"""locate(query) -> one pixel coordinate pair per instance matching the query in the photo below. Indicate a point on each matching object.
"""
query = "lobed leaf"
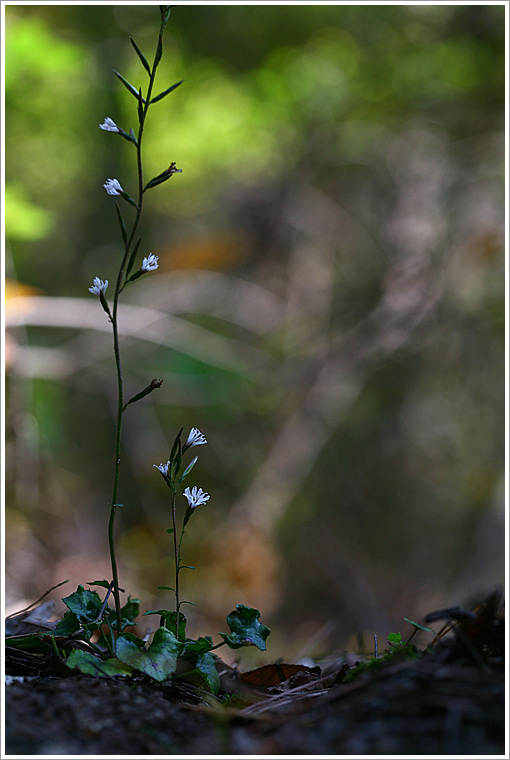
(86, 605)
(159, 661)
(245, 629)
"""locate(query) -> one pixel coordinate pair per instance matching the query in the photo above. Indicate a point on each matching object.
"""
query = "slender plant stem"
(116, 345)
(177, 555)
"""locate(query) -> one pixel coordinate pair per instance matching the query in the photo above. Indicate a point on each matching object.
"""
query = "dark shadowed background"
(329, 309)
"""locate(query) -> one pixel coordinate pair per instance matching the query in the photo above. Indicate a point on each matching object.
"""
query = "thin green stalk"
(177, 556)
(116, 346)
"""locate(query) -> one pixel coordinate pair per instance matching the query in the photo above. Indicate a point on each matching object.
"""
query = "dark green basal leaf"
(126, 84)
(91, 665)
(86, 605)
(67, 626)
(130, 611)
(200, 646)
(103, 583)
(132, 637)
(245, 629)
(33, 642)
(166, 92)
(158, 662)
(204, 674)
(141, 56)
(170, 617)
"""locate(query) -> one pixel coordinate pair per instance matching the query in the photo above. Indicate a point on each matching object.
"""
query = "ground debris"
(449, 700)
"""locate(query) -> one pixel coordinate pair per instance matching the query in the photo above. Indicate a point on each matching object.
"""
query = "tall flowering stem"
(143, 107)
(194, 496)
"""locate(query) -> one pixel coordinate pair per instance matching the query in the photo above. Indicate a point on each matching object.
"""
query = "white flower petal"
(150, 262)
(109, 125)
(99, 286)
(195, 438)
(163, 468)
(196, 496)
(113, 187)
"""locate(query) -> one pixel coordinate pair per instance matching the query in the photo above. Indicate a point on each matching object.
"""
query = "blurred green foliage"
(346, 165)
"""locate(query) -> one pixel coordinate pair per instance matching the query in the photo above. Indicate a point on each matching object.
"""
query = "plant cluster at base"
(92, 637)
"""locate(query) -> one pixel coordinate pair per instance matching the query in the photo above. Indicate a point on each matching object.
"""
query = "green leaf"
(33, 642)
(91, 665)
(85, 604)
(126, 84)
(204, 673)
(159, 51)
(175, 446)
(132, 257)
(166, 92)
(159, 661)
(245, 629)
(132, 637)
(141, 56)
(418, 626)
(187, 515)
(395, 639)
(188, 469)
(141, 101)
(170, 616)
(153, 385)
(130, 610)
(104, 584)
(201, 645)
(104, 303)
(67, 626)
(166, 588)
(165, 13)
(121, 223)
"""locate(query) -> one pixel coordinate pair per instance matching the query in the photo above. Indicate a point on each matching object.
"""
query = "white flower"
(163, 468)
(195, 438)
(113, 187)
(196, 496)
(99, 286)
(109, 125)
(149, 262)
